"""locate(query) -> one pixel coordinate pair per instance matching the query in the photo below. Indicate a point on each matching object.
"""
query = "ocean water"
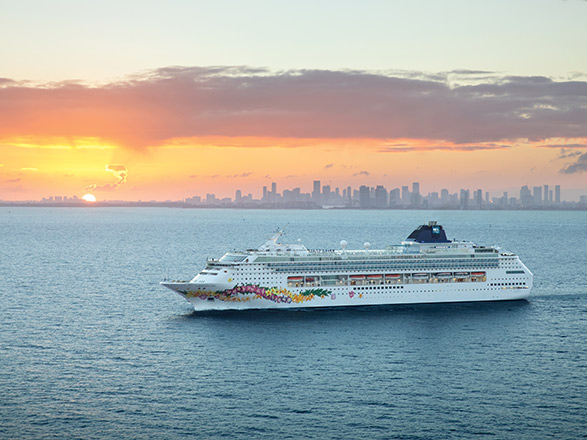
(91, 347)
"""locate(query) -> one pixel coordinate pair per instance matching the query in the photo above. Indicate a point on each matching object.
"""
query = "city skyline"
(364, 197)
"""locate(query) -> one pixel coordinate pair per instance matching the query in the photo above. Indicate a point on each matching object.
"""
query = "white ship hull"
(407, 297)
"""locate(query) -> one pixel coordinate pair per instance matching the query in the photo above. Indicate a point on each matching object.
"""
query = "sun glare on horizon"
(89, 198)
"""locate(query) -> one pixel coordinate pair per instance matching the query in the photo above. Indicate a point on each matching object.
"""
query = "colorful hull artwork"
(249, 292)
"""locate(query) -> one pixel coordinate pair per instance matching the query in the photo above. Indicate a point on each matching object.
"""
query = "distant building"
(444, 196)
(381, 197)
(478, 198)
(316, 192)
(526, 198)
(326, 195)
(364, 197)
(415, 198)
(537, 195)
(394, 197)
(464, 200)
(405, 195)
(195, 200)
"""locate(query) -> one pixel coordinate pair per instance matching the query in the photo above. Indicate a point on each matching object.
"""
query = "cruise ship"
(425, 268)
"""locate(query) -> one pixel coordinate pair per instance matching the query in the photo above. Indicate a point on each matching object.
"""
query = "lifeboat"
(444, 275)
(420, 275)
(461, 274)
(357, 277)
(393, 276)
(374, 277)
(309, 280)
(295, 278)
(478, 274)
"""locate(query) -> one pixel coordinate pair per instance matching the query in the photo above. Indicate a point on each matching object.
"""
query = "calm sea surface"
(91, 347)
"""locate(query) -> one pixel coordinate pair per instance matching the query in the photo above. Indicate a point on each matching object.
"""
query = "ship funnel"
(367, 245)
(343, 244)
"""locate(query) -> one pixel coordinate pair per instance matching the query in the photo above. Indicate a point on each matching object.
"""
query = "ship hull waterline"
(352, 298)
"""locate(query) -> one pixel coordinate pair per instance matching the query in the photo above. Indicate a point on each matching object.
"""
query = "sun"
(89, 198)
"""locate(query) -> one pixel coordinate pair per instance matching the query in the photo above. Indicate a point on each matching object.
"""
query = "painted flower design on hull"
(245, 293)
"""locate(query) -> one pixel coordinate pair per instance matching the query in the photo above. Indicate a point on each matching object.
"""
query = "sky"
(153, 100)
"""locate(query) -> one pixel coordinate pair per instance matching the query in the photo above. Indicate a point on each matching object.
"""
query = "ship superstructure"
(425, 268)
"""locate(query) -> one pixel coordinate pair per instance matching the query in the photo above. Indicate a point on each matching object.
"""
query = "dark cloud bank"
(177, 102)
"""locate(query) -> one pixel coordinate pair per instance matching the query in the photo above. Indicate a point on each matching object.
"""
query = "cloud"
(330, 165)
(563, 146)
(566, 153)
(471, 72)
(235, 176)
(119, 170)
(156, 107)
(404, 148)
(362, 173)
(13, 180)
(5, 82)
(578, 166)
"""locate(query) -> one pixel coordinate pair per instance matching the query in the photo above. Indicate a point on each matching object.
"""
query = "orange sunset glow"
(178, 132)
(175, 172)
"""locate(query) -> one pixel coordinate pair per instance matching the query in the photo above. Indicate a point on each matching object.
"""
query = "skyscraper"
(364, 197)
(405, 195)
(464, 199)
(316, 192)
(326, 195)
(526, 198)
(415, 196)
(394, 197)
(381, 197)
(444, 196)
(478, 198)
(537, 193)
(557, 194)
